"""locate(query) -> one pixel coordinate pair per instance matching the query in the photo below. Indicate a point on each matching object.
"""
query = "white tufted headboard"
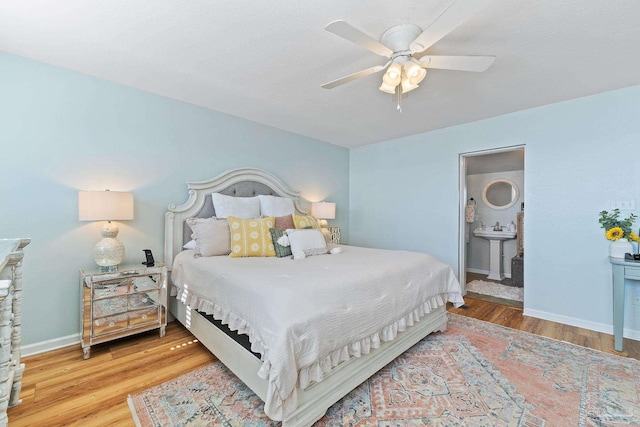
(242, 182)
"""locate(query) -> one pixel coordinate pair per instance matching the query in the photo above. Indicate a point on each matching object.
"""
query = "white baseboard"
(56, 343)
(580, 323)
(48, 345)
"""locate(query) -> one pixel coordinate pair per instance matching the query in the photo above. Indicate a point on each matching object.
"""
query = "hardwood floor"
(512, 317)
(60, 388)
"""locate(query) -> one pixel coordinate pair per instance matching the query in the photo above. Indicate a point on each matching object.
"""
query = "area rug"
(474, 374)
(496, 289)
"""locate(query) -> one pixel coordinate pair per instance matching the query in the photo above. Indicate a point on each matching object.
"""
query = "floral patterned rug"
(474, 374)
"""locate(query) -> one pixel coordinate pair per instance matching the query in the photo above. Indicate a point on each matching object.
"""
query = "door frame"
(462, 203)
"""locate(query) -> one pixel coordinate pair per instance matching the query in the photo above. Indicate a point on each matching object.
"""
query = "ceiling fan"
(401, 43)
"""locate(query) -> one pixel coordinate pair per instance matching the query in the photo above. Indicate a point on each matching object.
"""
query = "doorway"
(491, 245)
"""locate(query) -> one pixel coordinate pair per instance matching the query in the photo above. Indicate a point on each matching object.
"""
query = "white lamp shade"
(105, 205)
(323, 210)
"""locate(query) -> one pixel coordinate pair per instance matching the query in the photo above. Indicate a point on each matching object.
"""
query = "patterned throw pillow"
(281, 251)
(284, 222)
(251, 237)
(309, 242)
(304, 221)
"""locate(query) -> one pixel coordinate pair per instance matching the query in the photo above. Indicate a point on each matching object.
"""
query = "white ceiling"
(265, 60)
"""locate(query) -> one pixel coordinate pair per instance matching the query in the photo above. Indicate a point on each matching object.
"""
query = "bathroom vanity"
(495, 238)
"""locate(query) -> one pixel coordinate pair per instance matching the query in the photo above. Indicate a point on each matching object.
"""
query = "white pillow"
(308, 241)
(276, 206)
(191, 244)
(240, 207)
(211, 235)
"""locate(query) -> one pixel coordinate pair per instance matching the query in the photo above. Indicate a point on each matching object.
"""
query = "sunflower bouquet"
(616, 228)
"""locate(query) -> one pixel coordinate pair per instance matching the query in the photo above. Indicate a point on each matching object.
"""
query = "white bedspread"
(307, 316)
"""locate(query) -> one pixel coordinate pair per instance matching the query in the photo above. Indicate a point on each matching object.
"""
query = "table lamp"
(323, 211)
(106, 206)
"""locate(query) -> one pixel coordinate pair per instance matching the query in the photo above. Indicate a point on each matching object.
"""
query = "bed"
(307, 360)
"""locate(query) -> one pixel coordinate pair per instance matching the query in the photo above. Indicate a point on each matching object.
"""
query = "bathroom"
(495, 193)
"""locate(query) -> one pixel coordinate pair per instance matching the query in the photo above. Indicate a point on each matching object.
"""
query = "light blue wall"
(581, 155)
(62, 131)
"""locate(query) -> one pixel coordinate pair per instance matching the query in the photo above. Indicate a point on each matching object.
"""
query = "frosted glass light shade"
(391, 78)
(387, 88)
(413, 74)
(323, 210)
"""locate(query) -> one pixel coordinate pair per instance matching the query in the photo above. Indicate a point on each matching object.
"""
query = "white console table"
(11, 369)
(622, 269)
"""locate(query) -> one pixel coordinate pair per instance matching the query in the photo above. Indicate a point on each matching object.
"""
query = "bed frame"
(316, 399)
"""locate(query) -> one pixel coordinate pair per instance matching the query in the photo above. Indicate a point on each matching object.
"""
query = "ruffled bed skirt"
(316, 371)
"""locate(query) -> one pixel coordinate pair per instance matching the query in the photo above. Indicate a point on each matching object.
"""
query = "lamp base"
(109, 252)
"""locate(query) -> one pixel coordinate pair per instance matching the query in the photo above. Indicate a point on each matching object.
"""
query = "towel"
(470, 213)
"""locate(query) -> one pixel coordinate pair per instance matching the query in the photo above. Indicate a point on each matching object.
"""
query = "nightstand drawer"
(632, 273)
(140, 317)
(111, 289)
(109, 306)
(143, 300)
(110, 324)
(145, 283)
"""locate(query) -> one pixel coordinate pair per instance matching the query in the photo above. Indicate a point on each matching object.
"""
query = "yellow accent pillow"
(303, 221)
(251, 237)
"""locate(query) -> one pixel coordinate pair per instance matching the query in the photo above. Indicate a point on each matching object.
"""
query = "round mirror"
(500, 193)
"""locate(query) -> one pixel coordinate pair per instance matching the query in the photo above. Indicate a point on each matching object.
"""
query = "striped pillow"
(281, 251)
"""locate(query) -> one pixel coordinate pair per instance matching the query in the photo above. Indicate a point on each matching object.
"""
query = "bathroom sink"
(495, 235)
(495, 239)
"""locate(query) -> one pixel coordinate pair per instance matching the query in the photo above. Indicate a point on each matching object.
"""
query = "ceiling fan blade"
(475, 63)
(354, 35)
(354, 76)
(452, 17)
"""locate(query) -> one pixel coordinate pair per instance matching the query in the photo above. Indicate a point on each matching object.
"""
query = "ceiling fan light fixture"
(391, 78)
(388, 88)
(414, 72)
(393, 74)
(407, 85)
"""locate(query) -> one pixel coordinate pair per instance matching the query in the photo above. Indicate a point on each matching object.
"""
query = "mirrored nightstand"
(334, 235)
(121, 303)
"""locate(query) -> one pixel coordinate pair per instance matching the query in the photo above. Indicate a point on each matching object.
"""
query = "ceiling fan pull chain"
(399, 107)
